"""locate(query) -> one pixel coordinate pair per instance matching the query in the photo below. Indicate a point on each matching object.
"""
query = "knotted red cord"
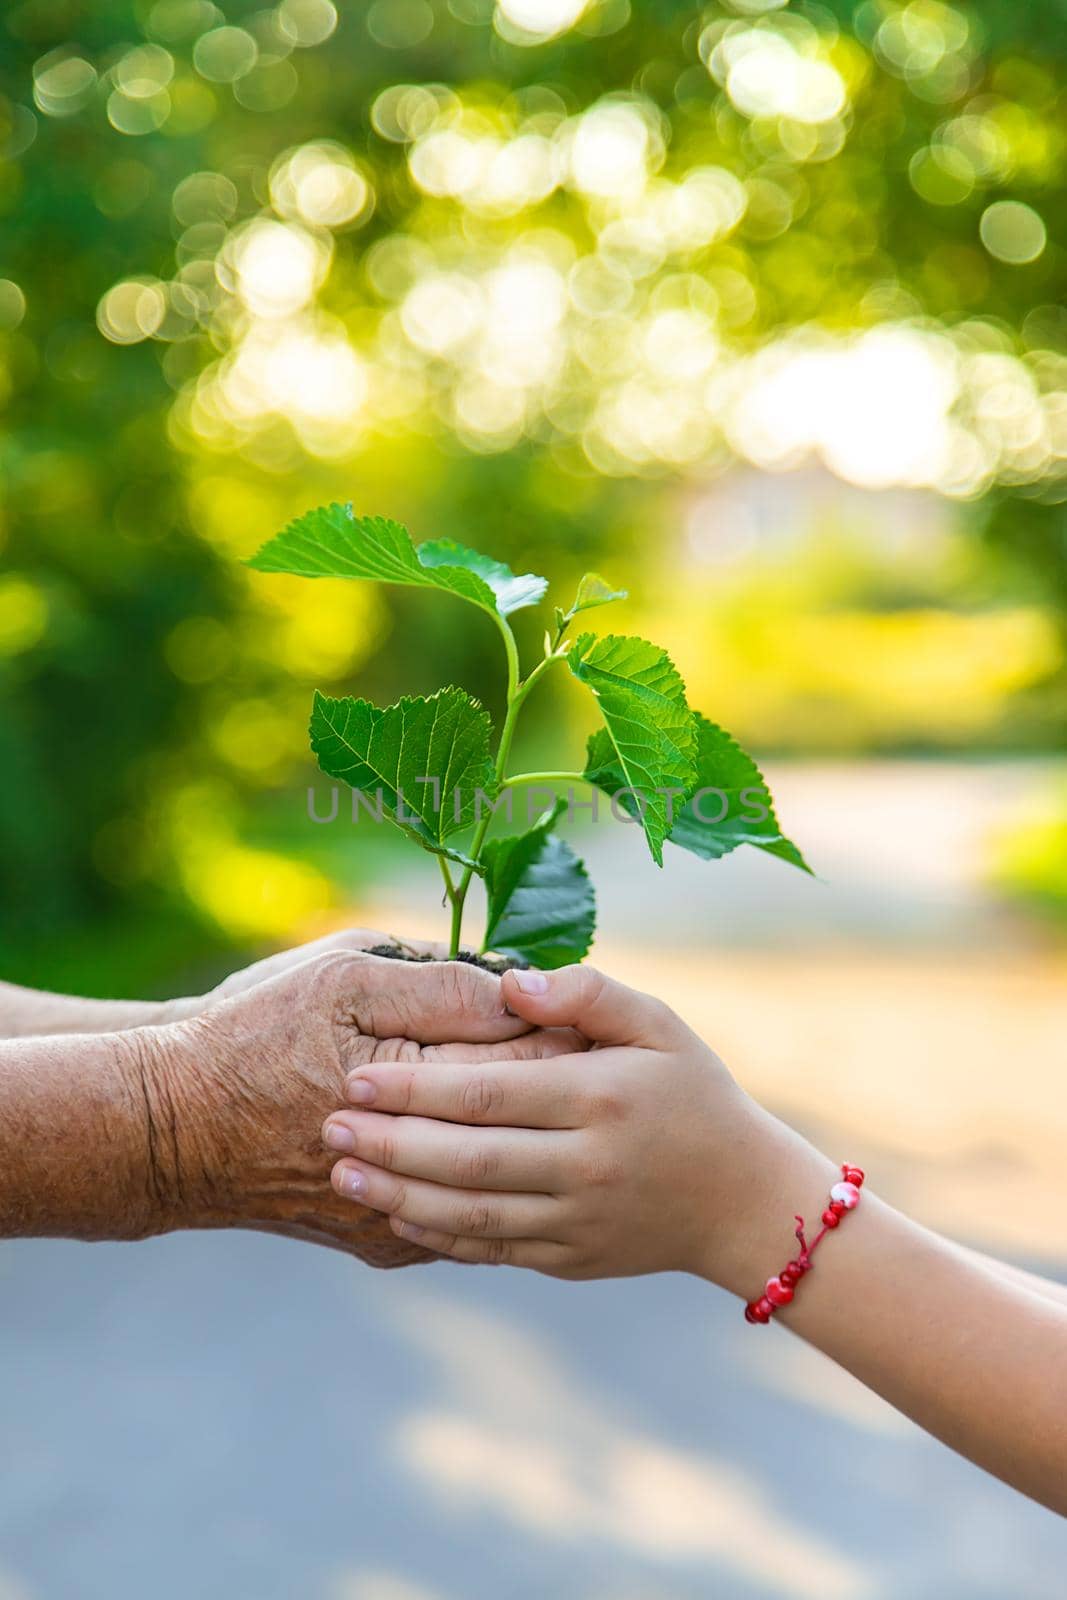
(844, 1197)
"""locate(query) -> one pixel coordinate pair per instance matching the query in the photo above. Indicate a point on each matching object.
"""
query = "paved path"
(239, 1418)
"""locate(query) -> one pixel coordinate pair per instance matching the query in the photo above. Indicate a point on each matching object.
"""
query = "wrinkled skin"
(236, 1095)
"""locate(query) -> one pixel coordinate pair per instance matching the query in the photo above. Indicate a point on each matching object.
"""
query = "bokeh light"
(12, 304)
(62, 83)
(754, 306)
(536, 20)
(305, 23)
(1013, 232)
(320, 184)
(131, 311)
(559, 251)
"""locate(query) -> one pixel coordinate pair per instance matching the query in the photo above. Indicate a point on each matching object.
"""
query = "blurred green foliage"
(562, 297)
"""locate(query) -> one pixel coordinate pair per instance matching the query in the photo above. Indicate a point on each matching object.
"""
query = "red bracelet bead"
(779, 1290)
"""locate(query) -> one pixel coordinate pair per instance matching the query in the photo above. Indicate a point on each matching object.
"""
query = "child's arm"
(644, 1155)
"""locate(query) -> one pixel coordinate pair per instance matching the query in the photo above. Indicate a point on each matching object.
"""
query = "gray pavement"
(238, 1416)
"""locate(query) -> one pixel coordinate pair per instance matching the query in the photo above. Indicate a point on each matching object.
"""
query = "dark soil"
(495, 964)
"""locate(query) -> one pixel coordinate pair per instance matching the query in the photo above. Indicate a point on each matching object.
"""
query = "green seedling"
(435, 766)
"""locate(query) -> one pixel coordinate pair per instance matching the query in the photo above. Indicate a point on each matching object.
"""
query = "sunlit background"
(755, 308)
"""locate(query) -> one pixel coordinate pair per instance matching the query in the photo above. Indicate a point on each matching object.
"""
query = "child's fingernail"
(360, 1090)
(353, 1184)
(530, 981)
(338, 1137)
(410, 1230)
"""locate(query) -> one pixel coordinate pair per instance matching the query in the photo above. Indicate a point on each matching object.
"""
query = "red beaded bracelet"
(844, 1196)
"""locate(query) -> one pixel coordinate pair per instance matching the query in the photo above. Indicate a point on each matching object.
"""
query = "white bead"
(847, 1193)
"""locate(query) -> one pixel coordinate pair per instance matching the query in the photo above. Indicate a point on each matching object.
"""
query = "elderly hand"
(235, 1097)
(30, 1013)
(345, 942)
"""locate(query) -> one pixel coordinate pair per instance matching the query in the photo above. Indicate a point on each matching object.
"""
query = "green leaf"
(387, 750)
(541, 902)
(741, 792)
(512, 592)
(331, 542)
(730, 804)
(593, 590)
(650, 734)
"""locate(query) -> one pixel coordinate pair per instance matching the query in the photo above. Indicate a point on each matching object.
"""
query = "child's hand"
(640, 1155)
